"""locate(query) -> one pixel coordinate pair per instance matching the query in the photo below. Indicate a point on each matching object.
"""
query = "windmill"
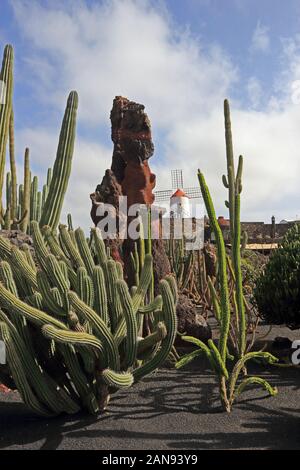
(177, 183)
(178, 199)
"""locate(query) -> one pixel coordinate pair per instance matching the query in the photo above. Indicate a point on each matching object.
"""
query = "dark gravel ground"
(170, 410)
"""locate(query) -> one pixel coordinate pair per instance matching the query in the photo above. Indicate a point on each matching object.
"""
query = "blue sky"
(181, 59)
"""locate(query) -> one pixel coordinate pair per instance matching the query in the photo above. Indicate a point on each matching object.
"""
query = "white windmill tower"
(180, 205)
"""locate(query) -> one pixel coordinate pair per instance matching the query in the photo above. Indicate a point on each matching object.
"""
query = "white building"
(180, 205)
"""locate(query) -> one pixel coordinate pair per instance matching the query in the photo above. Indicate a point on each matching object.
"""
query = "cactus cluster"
(72, 328)
(226, 367)
(24, 202)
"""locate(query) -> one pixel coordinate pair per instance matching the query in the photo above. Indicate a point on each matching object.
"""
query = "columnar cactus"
(62, 165)
(6, 79)
(27, 204)
(219, 355)
(71, 325)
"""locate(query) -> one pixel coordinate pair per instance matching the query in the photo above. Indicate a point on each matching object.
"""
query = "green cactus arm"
(73, 337)
(203, 348)
(55, 248)
(218, 359)
(187, 358)
(173, 286)
(55, 273)
(65, 271)
(225, 182)
(70, 246)
(6, 76)
(8, 189)
(26, 194)
(35, 300)
(255, 380)
(70, 222)
(7, 278)
(238, 278)
(238, 179)
(9, 302)
(138, 295)
(38, 205)
(169, 316)
(20, 197)
(99, 327)
(215, 300)
(131, 323)
(149, 341)
(224, 293)
(33, 198)
(141, 244)
(19, 375)
(145, 280)
(79, 379)
(84, 251)
(40, 247)
(117, 379)
(13, 169)
(49, 301)
(99, 245)
(7, 219)
(29, 258)
(134, 268)
(85, 289)
(230, 165)
(114, 304)
(119, 269)
(156, 304)
(5, 248)
(49, 176)
(100, 302)
(19, 261)
(55, 398)
(241, 363)
(62, 165)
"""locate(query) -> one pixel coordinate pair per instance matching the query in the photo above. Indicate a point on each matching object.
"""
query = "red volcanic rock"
(144, 181)
(130, 176)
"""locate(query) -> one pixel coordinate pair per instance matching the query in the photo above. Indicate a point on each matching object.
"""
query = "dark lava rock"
(191, 322)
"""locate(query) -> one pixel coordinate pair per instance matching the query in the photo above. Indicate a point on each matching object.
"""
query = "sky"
(180, 59)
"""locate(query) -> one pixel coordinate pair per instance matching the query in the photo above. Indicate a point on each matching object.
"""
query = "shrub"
(277, 292)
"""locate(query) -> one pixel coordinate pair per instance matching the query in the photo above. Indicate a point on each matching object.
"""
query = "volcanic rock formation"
(130, 176)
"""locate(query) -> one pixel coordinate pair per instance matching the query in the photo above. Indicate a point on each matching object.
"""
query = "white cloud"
(127, 47)
(260, 39)
(254, 90)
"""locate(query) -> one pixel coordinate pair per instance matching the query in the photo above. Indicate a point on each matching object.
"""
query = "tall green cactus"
(25, 208)
(62, 166)
(6, 83)
(219, 355)
(85, 343)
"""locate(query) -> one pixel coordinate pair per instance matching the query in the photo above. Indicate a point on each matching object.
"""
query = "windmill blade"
(193, 193)
(164, 195)
(177, 179)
